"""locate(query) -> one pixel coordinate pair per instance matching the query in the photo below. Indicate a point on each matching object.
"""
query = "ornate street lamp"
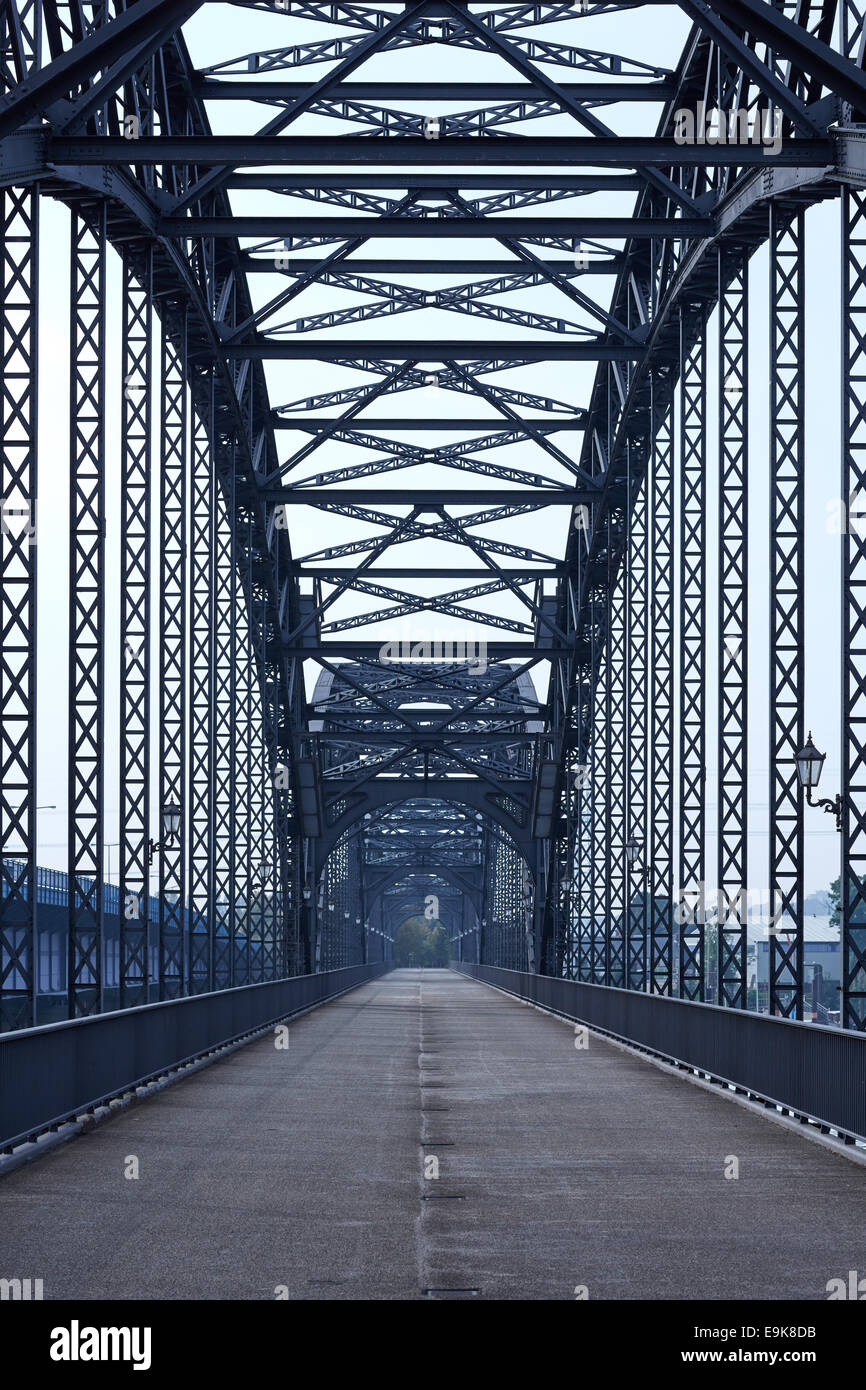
(170, 830)
(810, 764)
(633, 852)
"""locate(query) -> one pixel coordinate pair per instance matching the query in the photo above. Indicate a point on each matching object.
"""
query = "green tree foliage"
(437, 945)
(420, 942)
(834, 892)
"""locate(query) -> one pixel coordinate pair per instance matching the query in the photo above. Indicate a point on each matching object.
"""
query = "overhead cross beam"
(318, 151)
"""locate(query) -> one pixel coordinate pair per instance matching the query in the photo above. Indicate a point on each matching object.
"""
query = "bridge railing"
(819, 1074)
(51, 1074)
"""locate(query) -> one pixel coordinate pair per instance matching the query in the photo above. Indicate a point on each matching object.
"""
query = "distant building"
(822, 959)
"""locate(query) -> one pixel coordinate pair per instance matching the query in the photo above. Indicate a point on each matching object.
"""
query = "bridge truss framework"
(305, 815)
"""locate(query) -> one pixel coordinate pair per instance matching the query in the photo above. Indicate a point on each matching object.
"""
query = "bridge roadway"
(303, 1169)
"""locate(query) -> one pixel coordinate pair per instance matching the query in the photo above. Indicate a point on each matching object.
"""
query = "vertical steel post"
(202, 693)
(853, 878)
(86, 801)
(692, 734)
(223, 602)
(659, 840)
(638, 634)
(135, 542)
(19, 309)
(732, 761)
(173, 662)
(787, 607)
(599, 763)
(615, 690)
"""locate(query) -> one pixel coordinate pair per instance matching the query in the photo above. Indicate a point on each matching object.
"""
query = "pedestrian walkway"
(310, 1171)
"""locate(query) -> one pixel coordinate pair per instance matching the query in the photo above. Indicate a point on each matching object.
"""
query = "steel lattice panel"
(615, 715)
(600, 880)
(203, 511)
(853, 887)
(787, 609)
(692, 663)
(173, 661)
(86, 823)
(732, 632)
(135, 656)
(661, 800)
(223, 765)
(636, 734)
(19, 289)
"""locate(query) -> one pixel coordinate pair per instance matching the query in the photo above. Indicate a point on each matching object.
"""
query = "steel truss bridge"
(359, 612)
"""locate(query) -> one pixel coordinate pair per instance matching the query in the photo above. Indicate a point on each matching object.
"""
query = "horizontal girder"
(292, 226)
(634, 152)
(421, 350)
(407, 424)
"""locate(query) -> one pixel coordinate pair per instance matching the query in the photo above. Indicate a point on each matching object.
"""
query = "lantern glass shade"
(809, 764)
(170, 819)
(308, 892)
(633, 849)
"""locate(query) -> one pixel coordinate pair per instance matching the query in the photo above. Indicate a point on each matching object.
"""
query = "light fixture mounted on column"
(633, 852)
(810, 764)
(170, 831)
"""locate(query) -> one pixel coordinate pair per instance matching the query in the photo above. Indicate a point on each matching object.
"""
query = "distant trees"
(437, 946)
(409, 941)
(420, 942)
(834, 892)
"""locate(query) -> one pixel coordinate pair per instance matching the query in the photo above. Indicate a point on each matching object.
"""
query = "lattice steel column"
(135, 542)
(615, 691)
(223, 778)
(732, 630)
(661, 681)
(173, 661)
(584, 877)
(20, 41)
(202, 683)
(86, 805)
(598, 763)
(787, 616)
(263, 826)
(584, 843)
(637, 620)
(19, 298)
(241, 740)
(579, 794)
(692, 762)
(853, 883)
(261, 956)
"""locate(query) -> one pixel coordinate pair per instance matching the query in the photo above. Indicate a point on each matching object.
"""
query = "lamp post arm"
(833, 806)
